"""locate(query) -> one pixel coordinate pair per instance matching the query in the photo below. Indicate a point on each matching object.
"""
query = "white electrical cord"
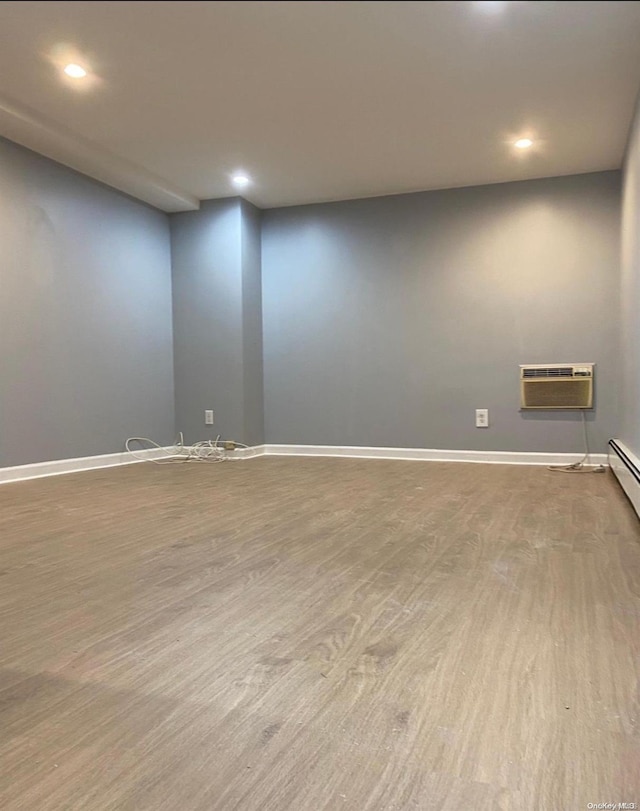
(583, 465)
(207, 450)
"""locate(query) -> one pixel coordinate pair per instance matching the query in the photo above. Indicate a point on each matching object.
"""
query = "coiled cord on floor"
(208, 450)
(582, 466)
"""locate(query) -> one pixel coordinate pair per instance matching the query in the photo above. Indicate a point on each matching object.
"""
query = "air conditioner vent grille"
(558, 394)
(548, 371)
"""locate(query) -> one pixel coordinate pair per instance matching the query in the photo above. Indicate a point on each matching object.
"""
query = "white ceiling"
(319, 100)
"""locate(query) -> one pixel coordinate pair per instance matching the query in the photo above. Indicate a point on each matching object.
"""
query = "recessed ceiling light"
(75, 71)
(241, 179)
(486, 5)
(523, 143)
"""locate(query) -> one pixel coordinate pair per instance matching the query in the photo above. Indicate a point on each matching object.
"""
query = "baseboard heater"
(626, 467)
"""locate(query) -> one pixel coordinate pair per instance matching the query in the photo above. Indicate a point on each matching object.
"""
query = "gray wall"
(85, 314)
(217, 321)
(630, 298)
(251, 247)
(388, 321)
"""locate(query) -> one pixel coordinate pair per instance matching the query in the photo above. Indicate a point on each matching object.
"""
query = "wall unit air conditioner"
(557, 386)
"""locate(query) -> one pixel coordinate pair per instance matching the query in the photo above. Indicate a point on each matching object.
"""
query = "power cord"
(583, 465)
(207, 450)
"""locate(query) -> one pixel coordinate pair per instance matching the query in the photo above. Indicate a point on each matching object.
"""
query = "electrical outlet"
(482, 417)
(208, 417)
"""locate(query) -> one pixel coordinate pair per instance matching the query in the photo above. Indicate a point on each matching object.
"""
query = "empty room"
(319, 406)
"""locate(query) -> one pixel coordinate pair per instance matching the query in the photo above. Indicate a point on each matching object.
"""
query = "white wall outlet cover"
(482, 417)
(208, 417)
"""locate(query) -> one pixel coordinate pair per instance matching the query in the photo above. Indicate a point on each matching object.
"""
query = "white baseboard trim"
(58, 467)
(434, 455)
(246, 453)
